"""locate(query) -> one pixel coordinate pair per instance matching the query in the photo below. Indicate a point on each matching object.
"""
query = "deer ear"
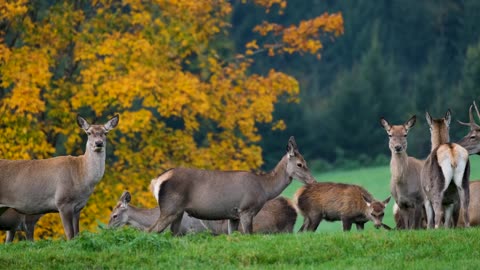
(429, 118)
(448, 117)
(367, 200)
(291, 146)
(112, 123)
(385, 202)
(125, 198)
(384, 124)
(411, 122)
(82, 122)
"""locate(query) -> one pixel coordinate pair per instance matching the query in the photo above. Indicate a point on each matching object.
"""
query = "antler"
(476, 109)
(472, 123)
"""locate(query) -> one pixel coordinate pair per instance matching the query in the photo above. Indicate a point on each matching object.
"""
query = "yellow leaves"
(11, 9)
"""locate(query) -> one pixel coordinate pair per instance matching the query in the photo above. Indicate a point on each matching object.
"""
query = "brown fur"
(405, 184)
(473, 207)
(61, 184)
(234, 195)
(471, 141)
(276, 216)
(445, 176)
(335, 201)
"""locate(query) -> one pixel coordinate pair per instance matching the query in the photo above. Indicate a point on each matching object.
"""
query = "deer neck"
(398, 166)
(439, 138)
(277, 180)
(142, 218)
(94, 165)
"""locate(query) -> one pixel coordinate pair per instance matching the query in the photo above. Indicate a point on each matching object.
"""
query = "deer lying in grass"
(277, 216)
(445, 175)
(405, 184)
(12, 221)
(62, 184)
(234, 195)
(335, 201)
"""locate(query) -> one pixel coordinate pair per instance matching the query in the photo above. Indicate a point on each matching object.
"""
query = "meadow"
(328, 248)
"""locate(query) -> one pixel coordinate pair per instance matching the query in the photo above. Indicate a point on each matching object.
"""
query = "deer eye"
(89, 133)
(115, 216)
(389, 135)
(405, 135)
(300, 165)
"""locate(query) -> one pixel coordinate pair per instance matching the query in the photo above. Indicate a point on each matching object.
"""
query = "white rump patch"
(157, 182)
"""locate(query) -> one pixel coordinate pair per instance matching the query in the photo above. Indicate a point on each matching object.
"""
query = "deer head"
(375, 210)
(296, 164)
(97, 139)
(439, 128)
(471, 141)
(397, 134)
(119, 216)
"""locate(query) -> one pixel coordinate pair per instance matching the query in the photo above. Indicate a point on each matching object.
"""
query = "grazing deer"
(336, 201)
(471, 141)
(405, 184)
(234, 195)
(445, 175)
(62, 184)
(473, 207)
(12, 221)
(277, 215)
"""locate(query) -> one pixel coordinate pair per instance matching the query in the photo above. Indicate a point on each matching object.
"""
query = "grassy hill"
(375, 180)
(130, 249)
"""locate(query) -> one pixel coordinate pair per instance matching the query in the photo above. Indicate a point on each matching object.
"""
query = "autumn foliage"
(182, 101)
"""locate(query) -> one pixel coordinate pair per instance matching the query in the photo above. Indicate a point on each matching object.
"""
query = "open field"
(375, 180)
(130, 249)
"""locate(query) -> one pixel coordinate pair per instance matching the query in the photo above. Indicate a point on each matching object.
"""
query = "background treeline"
(396, 58)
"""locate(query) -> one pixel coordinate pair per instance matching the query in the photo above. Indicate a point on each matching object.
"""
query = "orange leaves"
(306, 37)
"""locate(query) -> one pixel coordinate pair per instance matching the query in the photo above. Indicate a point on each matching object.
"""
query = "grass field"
(130, 249)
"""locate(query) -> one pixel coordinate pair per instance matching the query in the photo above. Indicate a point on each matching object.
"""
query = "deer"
(277, 216)
(12, 221)
(471, 141)
(405, 183)
(61, 184)
(445, 176)
(234, 195)
(473, 207)
(349, 203)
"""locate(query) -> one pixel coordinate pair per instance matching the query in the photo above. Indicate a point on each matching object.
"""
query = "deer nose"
(99, 143)
(398, 148)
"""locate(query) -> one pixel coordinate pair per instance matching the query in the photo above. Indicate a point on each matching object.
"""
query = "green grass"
(376, 180)
(130, 249)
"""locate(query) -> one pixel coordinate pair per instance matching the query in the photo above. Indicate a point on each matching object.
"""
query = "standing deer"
(471, 141)
(61, 184)
(234, 195)
(445, 175)
(405, 184)
(277, 216)
(12, 221)
(473, 207)
(336, 201)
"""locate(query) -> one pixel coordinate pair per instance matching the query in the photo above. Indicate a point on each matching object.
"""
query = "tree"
(184, 98)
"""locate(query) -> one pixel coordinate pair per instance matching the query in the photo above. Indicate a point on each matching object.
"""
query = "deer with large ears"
(61, 184)
(405, 184)
(471, 141)
(234, 195)
(445, 175)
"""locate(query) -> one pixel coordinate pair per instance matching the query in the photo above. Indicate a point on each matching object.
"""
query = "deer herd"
(428, 193)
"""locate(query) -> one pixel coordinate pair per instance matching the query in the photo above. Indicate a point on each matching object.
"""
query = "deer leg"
(233, 225)
(10, 236)
(429, 212)
(360, 226)
(448, 215)
(418, 216)
(438, 210)
(347, 224)
(314, 222)
(66, 214)
(246, 220)
(163, 221)
(176, 225)
(76, 223)
(464, 194)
